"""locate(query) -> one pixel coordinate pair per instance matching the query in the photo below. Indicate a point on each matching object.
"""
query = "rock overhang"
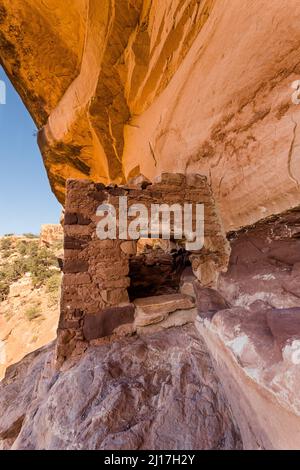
(148, 87)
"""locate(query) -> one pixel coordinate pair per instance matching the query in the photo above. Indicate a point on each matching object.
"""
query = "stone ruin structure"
(114, 286)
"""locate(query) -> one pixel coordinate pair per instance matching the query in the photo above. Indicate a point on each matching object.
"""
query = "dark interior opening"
(156, 268)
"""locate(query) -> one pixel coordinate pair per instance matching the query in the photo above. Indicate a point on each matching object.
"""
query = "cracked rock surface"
(154, 392)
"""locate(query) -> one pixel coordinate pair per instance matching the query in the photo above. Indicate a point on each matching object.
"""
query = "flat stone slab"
(177, 318)
(151, 310)
(106, 321)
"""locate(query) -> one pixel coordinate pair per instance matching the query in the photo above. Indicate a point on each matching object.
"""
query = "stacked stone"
(94, 297)
(171, 188)
(94, 300)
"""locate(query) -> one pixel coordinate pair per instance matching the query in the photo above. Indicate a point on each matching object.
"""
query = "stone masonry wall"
(94, 301)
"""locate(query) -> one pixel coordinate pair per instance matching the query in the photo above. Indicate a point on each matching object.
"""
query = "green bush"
(32, 249)
(39, 265)
(30, 235)
(9, 274)
(53, 283)
(15, 270)
(38, 261)
(5, 243)
(22, 247)
(6, 254)
(53, 289)
(33, 312)
(4, 289)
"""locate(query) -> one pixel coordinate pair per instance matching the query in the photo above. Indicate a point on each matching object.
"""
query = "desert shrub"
(6, 254)
(10, 273)
(30, 235)
(53, 283)
(32, 249)
(53, 288)
(38, 261)
(39, 265)
(16, 270)
(4, 289)
(33, 312)
(5, 243)
(57, 245)
(22, 247)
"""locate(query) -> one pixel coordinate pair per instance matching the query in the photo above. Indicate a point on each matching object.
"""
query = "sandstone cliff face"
(51, 234)
(119, 87)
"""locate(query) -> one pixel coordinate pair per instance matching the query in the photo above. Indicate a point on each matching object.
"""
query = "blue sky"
(26, 200)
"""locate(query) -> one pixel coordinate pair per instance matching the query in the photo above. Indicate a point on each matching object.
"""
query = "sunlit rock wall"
(122, 87)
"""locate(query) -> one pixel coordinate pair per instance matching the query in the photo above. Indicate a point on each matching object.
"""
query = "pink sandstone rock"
(156, 392)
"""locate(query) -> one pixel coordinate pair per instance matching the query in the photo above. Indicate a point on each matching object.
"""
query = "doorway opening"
(156, 268)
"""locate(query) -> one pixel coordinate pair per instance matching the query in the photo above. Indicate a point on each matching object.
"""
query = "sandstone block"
(187, 275)
(106, 321)
(155, 309)
(75, 266)
(118, 269)
(83, 219)
(206, 272)
(69, 324)
(178, 318)
(114, 296)
(123, 282)
(75, 242)
(139, 181)
(76, 279)
(70, 218)
(176, 179)
(196, 181)
(78, 230)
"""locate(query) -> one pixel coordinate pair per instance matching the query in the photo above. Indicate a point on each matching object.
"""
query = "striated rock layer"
(253, 332)
(122, 87)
